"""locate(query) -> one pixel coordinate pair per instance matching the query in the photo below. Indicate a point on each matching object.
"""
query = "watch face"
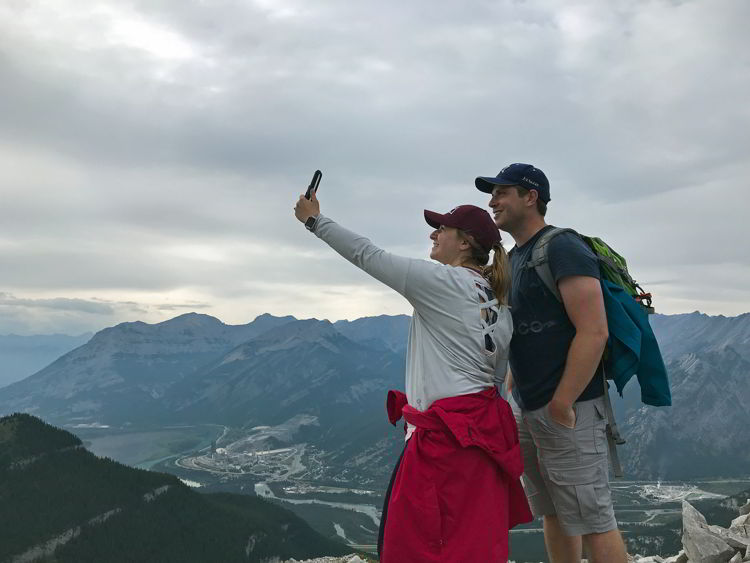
(310, 223)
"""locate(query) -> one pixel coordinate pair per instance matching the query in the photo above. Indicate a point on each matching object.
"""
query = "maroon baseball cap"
(470, 219)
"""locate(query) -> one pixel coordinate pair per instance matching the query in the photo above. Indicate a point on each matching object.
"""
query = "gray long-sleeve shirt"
(459, 338)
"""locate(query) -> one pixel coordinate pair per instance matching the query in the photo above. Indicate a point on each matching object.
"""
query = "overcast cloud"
(151, 151)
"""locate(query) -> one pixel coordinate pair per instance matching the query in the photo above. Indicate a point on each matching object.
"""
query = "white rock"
(742, 520)
(701, 545)
(736, 536)
(736, 559)
(745, 509)
(679, 558)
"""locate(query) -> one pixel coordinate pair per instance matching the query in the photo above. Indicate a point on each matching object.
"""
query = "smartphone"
(313, 187)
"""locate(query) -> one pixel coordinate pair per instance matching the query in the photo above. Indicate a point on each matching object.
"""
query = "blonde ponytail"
(498, 273)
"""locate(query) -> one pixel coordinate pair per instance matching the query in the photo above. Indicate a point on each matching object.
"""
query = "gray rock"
(747, 554)
(701, 545)
(745, 509)
(742, 521)
(736, 559)
(692, 517)
(737, 536)
(679, 558)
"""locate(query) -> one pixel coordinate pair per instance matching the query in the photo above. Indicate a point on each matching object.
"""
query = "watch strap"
(311, 222)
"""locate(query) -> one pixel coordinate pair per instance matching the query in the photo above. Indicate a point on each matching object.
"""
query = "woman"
(456, 491)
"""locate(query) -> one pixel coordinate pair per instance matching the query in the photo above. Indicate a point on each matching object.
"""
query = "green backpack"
(612, 266)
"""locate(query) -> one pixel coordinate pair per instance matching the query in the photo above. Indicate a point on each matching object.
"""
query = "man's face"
(508, 208)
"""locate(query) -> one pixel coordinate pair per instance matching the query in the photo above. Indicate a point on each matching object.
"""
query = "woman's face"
(447, 246)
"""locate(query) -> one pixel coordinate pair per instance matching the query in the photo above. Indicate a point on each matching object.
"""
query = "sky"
(151, 151)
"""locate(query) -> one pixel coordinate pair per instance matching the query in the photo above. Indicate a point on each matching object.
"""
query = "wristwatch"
(310, 223)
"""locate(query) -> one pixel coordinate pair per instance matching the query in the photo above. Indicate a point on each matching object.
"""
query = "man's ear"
(532, 195)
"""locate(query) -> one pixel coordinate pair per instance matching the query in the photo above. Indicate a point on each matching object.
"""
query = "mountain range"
(124, 371)
(196, 369)
(692, 332)
(708, 362)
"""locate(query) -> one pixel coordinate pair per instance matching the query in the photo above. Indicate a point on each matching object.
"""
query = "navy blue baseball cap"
(518, 174)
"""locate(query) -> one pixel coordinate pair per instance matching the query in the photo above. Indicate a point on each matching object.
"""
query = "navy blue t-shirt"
(542, 331)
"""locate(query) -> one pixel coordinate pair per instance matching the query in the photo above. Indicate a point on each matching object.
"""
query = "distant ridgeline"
(59, 502)
(194, 369)
(20, 356)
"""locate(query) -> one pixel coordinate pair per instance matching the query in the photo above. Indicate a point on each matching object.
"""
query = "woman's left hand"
(307, 208)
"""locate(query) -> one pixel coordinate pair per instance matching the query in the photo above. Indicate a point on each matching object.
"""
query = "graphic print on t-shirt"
(489, 314)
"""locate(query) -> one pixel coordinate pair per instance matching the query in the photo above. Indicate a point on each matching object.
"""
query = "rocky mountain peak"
(690, 332)
(191, 320)
(191, 330)
(384, 331)
(307, 329)
(266, 317)
(300, 333)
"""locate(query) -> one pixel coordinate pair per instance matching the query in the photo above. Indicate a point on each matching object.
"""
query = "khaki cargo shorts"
(566, 469)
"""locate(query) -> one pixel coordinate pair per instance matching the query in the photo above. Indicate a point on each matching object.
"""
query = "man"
(555, 376)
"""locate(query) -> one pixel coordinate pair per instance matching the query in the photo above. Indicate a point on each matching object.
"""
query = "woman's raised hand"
(307, 208)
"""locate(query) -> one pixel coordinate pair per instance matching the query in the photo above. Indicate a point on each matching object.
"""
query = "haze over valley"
(293, 411)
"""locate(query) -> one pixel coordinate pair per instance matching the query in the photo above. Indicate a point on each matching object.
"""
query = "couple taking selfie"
(483, 322)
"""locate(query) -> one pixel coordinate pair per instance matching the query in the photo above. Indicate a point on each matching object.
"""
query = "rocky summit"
(705, 543)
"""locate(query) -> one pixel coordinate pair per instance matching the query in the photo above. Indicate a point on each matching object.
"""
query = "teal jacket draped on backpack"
(632, 347)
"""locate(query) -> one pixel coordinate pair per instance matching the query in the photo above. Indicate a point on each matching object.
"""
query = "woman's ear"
(465, 243)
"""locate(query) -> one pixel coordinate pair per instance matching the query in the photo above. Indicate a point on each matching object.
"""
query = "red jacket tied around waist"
(457, 491)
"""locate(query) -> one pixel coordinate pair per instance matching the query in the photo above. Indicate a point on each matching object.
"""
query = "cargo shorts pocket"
(600, 428)
(555, 426)
(591, 432)
(547, 430)
(577, 493)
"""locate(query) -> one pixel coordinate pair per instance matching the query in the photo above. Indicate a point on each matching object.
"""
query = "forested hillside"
(60, 502)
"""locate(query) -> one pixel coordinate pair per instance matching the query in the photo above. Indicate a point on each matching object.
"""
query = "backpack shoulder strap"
(540, 259)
